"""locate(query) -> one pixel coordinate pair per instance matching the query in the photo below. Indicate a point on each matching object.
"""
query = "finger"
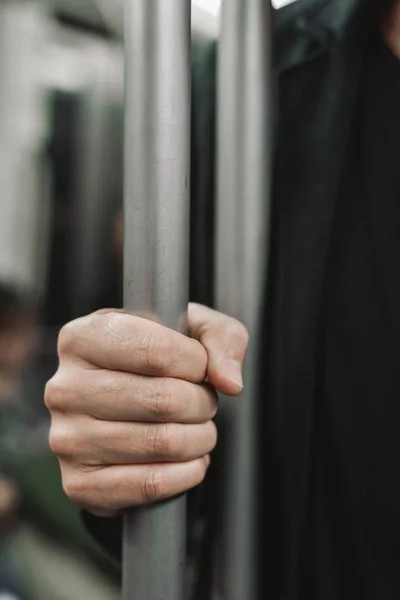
(226, 341)
(121, 342)
(118, 396)
(115, 488)
(95, 443)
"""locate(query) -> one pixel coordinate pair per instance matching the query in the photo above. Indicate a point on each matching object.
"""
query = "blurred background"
(61, 129)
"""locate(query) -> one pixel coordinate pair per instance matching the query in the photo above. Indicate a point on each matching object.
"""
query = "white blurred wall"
(23, 202)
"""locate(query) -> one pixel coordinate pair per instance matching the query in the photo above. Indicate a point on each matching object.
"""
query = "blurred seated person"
(17, 341)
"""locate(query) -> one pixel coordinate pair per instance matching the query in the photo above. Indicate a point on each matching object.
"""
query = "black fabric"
(352, 550)
(106, 532)
(316, 110)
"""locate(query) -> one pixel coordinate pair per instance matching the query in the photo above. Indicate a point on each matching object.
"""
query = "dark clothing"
(321, 49)
(353, 532)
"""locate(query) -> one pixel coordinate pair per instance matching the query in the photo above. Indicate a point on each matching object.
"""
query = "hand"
(132, 416)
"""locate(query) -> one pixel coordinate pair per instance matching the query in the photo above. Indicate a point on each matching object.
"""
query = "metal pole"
(243, 215)
(156, 245)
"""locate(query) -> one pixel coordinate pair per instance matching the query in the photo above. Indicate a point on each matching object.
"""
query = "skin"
(132, 404)
(391, 29)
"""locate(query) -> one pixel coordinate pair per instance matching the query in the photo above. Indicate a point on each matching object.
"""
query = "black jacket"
(319, 50)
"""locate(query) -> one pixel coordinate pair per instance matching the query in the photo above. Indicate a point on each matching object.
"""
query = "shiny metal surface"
(156, 245)
(244, 160)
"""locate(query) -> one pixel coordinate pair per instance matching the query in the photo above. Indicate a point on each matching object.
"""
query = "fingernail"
(232, 371)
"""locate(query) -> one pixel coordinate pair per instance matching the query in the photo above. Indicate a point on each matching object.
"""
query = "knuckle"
(75, 335)
(159, 440)
(153, 487)
(146, 349)
(110, 322)
(76, 488)
(164, 404)
(213, 435)
(67, 338)
(56, 394)
(61, 440)
(52, 394)
(155, 352)
(239, 333)
(55, 442)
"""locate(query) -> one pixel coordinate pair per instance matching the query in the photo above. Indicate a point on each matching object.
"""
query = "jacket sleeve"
(108, 532)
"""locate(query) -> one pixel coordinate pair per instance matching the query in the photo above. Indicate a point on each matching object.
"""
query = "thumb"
(225, 340)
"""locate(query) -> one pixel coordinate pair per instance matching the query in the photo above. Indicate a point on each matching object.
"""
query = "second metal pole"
(243, 215)
(156, 245)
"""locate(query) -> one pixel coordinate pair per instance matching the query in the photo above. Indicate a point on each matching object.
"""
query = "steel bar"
(156, 245)
(243, 217)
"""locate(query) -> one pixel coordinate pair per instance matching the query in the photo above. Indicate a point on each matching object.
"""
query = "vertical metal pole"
(156, 248)
(243, 215)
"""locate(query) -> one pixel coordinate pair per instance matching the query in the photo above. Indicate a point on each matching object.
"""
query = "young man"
(131, 420)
